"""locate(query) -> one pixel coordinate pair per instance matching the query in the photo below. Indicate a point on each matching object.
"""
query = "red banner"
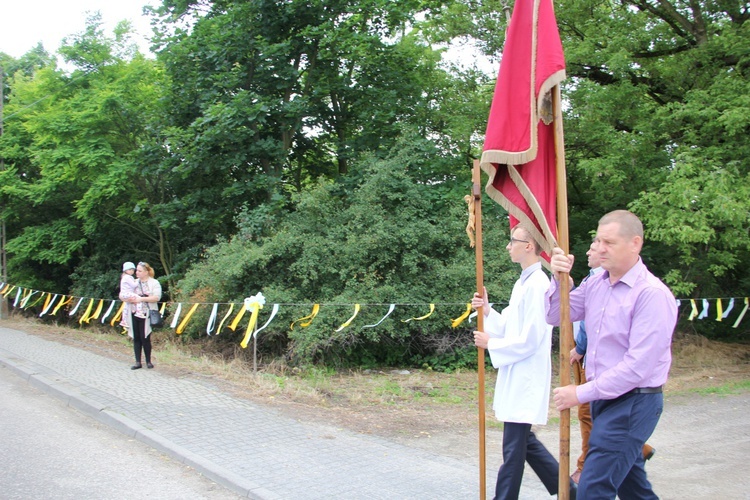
(519, 150)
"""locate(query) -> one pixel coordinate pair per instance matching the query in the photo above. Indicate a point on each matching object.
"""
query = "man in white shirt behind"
(519, 342)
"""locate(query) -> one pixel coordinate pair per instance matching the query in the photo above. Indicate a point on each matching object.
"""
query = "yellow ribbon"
(4, 288)
(41, 296)
(742, 314)
(255, 306)
(118, 315)
(719, 310)
(349, 321)
(48, 304)
(62, 303)
(432, 310)
(460, 319)
(221, 325)
(97, 312)
(85, 316)
(46, 301)
(307, 319)
(8, 290)
(181, 328)
(236, 320)
(694, 313)
(25, 296)
(162, 308)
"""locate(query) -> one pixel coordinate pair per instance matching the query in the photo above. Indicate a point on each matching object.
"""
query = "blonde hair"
(148, 268)
(630, 224)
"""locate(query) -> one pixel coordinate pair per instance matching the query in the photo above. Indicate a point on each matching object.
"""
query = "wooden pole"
(477, 194)
(3, 240)
(566, 328)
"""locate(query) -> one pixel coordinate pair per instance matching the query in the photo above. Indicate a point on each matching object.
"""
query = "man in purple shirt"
(630, 316)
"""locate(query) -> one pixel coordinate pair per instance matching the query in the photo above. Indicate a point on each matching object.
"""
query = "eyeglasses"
(514, 240)
(142, 264)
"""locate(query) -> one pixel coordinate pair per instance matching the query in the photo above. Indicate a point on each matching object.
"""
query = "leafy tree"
(69, 186)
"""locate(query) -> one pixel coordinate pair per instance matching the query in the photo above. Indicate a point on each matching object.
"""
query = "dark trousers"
(614, 462)
(520, 445)
(140, 341)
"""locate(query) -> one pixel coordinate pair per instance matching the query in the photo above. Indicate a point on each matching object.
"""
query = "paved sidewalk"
(251, 449)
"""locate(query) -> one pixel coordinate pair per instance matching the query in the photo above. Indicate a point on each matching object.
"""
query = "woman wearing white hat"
(147, 291)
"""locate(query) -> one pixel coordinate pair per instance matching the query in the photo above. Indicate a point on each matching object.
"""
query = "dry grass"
(395, 403)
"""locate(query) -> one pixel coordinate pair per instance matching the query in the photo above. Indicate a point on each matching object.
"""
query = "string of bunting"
(94, 310)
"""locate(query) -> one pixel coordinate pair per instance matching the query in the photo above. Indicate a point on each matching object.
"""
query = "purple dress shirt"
(629, 326)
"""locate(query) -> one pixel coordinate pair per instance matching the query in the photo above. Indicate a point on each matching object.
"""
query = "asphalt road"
(50, 450)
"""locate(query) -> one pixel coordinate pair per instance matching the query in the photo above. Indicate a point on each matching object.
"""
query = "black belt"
(646, 390)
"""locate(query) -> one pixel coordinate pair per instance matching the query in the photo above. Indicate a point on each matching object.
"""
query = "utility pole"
(3, 259)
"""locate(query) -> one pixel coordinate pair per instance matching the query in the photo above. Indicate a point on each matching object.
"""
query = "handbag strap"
(140, 284)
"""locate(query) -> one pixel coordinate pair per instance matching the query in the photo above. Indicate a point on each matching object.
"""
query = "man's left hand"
(565, 397)
(481, 339)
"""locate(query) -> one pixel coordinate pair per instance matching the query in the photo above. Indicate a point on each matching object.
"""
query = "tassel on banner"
(460, 319)
(432, 310)
(349, 321)
(307, 320)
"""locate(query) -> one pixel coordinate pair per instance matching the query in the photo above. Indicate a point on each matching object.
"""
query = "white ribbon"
(704, 312)
(76, 307)
(390, 310)
(729, 308)
(273, 313)
(109, 311)
(176, 318)
(46, 309)
(212, 319)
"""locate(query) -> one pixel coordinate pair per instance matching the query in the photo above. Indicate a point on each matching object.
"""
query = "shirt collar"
(630, 277)
(527, 272)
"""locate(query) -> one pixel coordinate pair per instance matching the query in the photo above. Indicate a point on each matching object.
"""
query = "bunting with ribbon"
(51, 303)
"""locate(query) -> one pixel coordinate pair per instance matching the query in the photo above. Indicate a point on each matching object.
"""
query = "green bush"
(382, 236)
